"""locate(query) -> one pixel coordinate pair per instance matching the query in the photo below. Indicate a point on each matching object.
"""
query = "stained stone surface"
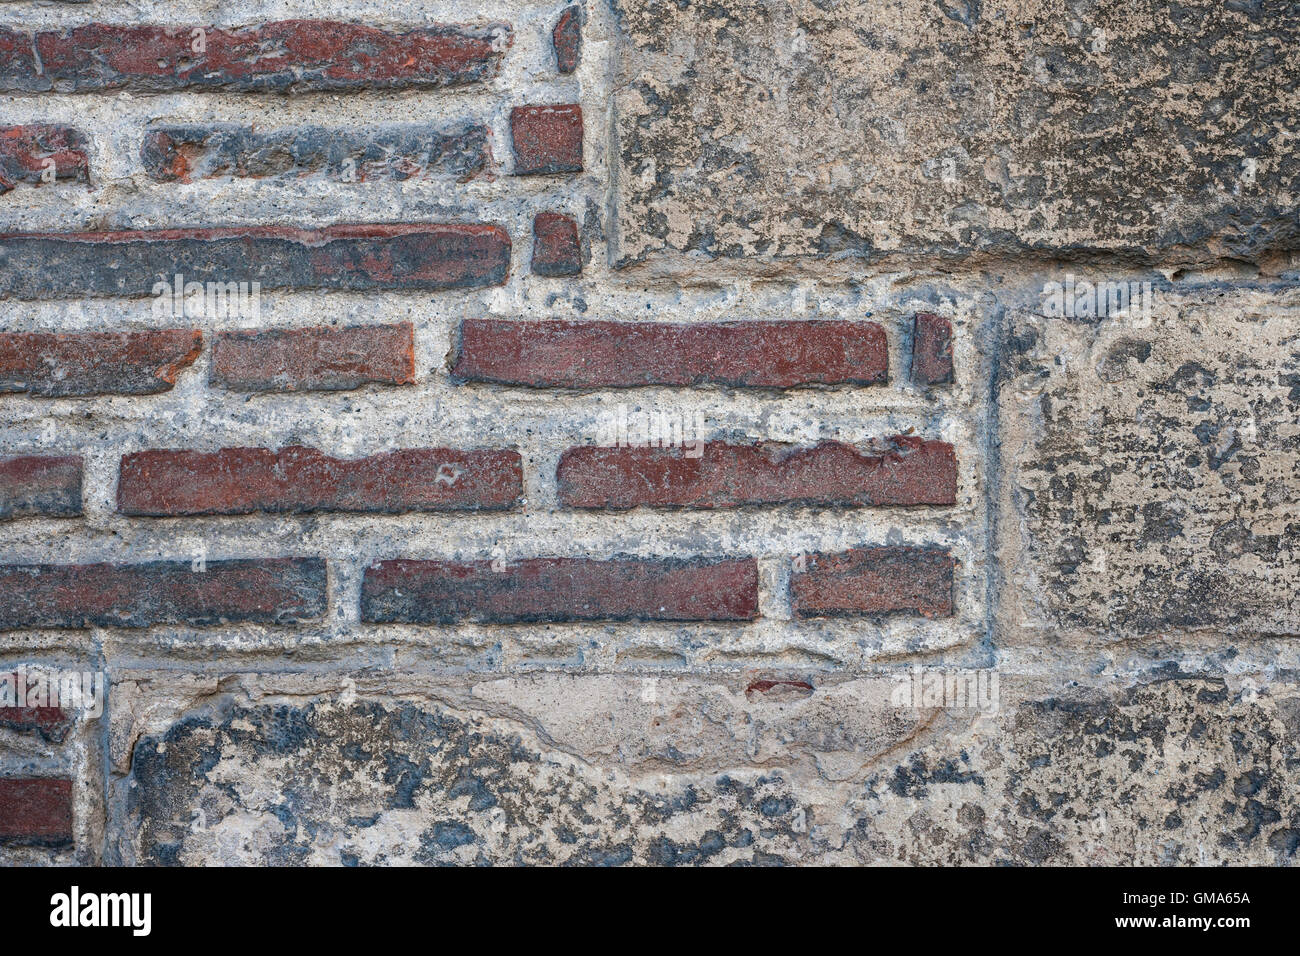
(1154, 466)
(1138, 772)
(776, 129)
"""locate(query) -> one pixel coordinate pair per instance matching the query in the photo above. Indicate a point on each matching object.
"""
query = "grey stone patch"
(1159, 768)
(779, 129)
(1153, 477)
(377, 785)
(1175, 769)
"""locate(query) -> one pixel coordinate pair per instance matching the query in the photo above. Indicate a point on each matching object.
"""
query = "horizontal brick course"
(295, 479)
(910, 471)
(265, 591)
(277, 57)
(27, 152)
(346, 154)
(546, 139)
(372, 256)
(602, 354)
(878, 580)
(314, 359)
(560, 589)
(40, 485)
(94, 363)
(35, 811)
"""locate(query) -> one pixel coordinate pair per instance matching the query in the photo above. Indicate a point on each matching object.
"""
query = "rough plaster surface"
(1126, 520)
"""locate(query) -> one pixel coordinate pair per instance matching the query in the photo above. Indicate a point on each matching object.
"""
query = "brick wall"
(592, 428)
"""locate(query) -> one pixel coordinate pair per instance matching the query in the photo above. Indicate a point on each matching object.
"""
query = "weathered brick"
(547, 139)
(314, 359)
(566, 37)
(27, 151)
(556, 250)
(561, 589)
(296, 479)
(36, 811)
(603, 354)
(44, 485)
(878, 580)
(92, 363)
(278, 56)
(263, 591)
(51, 723)
(385, 256)
(348, 154)
(779, 689)
(931, 350)
(906, 471)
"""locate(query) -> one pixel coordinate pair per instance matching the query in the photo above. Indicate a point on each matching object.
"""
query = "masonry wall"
(935, 556)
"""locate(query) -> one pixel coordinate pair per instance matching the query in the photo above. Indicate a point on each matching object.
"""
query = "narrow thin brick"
(875, 581)
(566, 38)
(341, 154)
(601, 354)
(96, 363)
(908, 471)
(281, 56)
(245, 480)
(556, 250)
(314, 359)
(261, 591)
(361, 257)
(780, 689)
(36, 811)
(28, 152)
(547, 139)
(560, 589)
(931, 350)
(40, 486)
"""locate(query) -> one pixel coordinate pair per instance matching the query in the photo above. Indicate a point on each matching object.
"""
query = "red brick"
(931, 350)
(94, 363)
(779, 689)
(556, 251)
(282, 56)
(296, 479)
(41, 485)
(264, 591)
(547, 139)
(185, 153)
(357, 257)
(566, 37)
(909, 471)
(36, 811)
(52, 723)
(601, 354)
(25, 151)
(315, 359)
(561, 589)
(881, 580)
